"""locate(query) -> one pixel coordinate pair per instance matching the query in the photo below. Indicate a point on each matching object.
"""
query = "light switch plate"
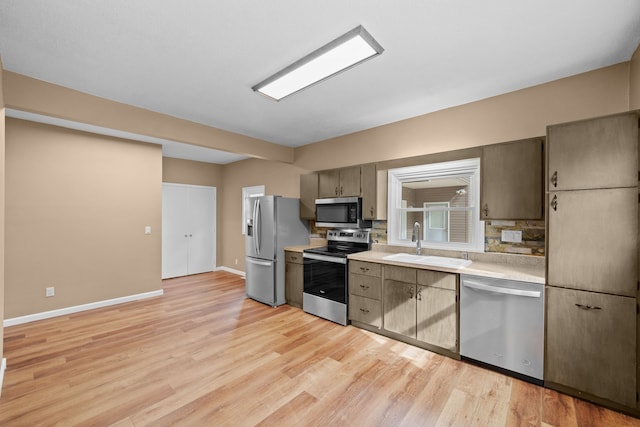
(511, 236)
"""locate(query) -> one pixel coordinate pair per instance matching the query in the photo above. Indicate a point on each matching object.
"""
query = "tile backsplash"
(533, 235)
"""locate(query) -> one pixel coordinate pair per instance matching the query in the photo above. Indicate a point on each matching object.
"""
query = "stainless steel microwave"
(342, 212)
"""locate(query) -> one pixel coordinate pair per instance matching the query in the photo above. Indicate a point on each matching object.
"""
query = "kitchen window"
(443, 198)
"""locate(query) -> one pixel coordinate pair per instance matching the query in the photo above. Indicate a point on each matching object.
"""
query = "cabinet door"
(365, 310)
(365, 286)
(512, 180)
(437, 317)
(293, 278)
(368, 183)
(350, 181)
(308, 195)
(399, 305)
(595, 153)
(590, 343)
(592, 240)
(328, 183)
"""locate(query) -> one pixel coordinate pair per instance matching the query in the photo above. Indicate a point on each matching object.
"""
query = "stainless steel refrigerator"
(273, 222)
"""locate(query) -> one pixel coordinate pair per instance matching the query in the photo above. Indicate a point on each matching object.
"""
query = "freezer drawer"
(260, 277)
(502, 324)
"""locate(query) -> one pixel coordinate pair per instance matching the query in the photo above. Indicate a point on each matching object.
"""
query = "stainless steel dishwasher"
(502, 324)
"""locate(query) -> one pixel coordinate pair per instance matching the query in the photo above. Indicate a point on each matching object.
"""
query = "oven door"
(325, 277)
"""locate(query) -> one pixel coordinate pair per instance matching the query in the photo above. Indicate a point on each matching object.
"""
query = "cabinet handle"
(336, 190)
(371, 210)
(419, 295)
(411, 292)
(364, 286)
(485, 209)
(554, 179)
(364, 269)
(294, 258)
(554, 202)
(588, 307)
(341, 191)
(364, 310)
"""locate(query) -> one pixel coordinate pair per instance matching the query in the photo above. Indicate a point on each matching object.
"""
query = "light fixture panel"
(341, 54)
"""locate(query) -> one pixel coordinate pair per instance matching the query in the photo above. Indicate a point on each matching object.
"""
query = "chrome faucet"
(417, 238)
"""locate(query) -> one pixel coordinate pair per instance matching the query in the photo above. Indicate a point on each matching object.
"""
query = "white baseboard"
(231, 270)
(3, 366)
(77, 308)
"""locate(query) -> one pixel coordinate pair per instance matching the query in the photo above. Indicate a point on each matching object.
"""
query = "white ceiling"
(198, 59)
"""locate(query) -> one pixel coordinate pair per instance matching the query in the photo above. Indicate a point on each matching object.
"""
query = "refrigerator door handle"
(260, 263)
(256, 225)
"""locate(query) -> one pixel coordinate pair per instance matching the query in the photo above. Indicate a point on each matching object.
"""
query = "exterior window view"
(363, 213)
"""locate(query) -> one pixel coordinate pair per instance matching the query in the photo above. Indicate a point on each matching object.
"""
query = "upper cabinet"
(343, 182)
(355, 181)
(594, 153)
(308, 195)
(511, 180)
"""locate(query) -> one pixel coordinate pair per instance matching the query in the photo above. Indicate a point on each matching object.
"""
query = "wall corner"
(634, 80)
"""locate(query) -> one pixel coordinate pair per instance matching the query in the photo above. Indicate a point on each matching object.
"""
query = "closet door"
(202, 213)
(175, 238)
(188, 229)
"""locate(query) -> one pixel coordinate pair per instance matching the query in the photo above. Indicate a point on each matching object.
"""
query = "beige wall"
(2, 167)
(35, 96)
(181, 171)
(512, 116)
(278, 178)
(634, 81)
(76, 208)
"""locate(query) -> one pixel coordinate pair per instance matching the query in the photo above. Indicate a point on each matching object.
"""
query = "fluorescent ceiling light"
(344, 52)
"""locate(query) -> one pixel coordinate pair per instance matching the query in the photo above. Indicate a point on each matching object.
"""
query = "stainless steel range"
(325, 289)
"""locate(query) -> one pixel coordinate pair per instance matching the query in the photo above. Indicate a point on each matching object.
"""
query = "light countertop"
(508, 267)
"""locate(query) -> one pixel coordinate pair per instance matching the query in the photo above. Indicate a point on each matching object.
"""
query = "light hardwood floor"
(204, 355)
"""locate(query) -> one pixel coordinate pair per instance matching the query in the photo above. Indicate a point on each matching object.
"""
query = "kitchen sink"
(436, 261)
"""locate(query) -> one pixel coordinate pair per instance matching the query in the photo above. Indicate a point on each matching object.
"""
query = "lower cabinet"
(422, 305)
(591, 344)
(293, 278)
(365, 284)
(437, 309)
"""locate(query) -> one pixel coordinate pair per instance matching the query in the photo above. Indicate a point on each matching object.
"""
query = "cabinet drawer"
(591, 343)
(365, 310)
(365, 286)
(437, 279)
(295, 257)
(367, 268)
(400, 274)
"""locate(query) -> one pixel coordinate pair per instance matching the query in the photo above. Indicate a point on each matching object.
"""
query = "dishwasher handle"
(501, 290)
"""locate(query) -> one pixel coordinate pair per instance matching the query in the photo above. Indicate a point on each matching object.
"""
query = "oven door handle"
(317, 257)
(501, 290)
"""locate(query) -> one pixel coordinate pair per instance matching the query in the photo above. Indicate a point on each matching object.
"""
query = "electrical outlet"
(147, 229)
(50, 291)
(236, 261)
(513, 236)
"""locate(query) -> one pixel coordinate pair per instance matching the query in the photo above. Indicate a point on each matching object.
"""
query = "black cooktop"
(338, 250)
(341, 243)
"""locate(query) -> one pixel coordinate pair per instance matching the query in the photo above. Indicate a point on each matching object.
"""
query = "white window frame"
(396, 177)
(247, 194)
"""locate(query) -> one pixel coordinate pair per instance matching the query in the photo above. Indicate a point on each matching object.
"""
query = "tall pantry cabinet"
(592, 259)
